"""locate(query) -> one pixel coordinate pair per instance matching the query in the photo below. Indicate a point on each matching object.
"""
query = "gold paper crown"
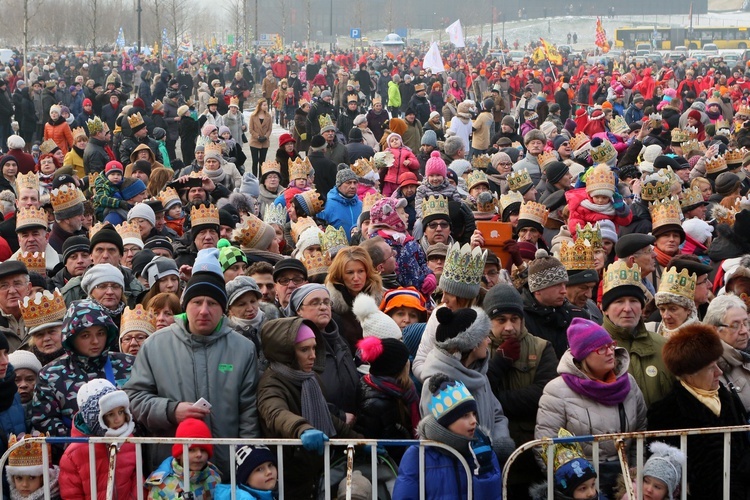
(487, 202)
(656, 187)
(682, 283)
(28, 457)
(724, 215)
(743, 110)
(475, 178)
(564, 452)
(31, 216)
(128, 230)
(680, 135)
(601, 177)
(655, 119)
(519, 179)
(249, 232)
(30, 181)
(481, 162)
(270, 166)
(723, 124)
(234, 101)
(92, 182)
(577, 256)
(603, 153)
(435, 205)
(692, 145)
(690, 197)
(333, 240)
(78, 132)
(362, 167)
(35, 262)
(95, 126)
(299, 168)
(213, 148)
(464, 265)
(274, 214)
(620, 274)
(666, 211)
(579, 140)
(316, 262)
(43, 308)
(691, 131)
(534, 211)
(734, 156)
(135, 120)
(204, 215)
(370, 200)
(65, 197)
(212, 100)
(168, 195)
(47, 146)
(137, 320)
(508, 199)
(325, 121)
(619, 126)
(299, 227)
(312, 200)
(545, 159)
(592, 234)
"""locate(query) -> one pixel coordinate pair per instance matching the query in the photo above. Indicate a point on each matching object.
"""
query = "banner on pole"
(432, 59)
(456, 34)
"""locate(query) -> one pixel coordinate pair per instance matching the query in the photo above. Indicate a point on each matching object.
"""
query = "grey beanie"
(241, 285)
(101, 273)
(460, 167)
(326, 93)
(344, 174)
(508, 121)
(298, 296)
(665, 464)
(142, 211)
(69, 213)
(429, 138)
(453, 145)
(158, 268)
(502, 298)
(545, 271)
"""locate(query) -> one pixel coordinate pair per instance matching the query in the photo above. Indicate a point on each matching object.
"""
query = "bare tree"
(92, 7)
(30, 10)
(176, 20)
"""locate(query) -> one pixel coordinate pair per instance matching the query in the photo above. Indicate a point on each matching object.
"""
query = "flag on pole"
(185, 45)
(601, 36)
(538, 55)
(120, 42)
(432, 59)
(165, 46)
(456, 34)
(551, 53)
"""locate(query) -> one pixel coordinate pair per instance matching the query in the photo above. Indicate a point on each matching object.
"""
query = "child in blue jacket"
(256, 476)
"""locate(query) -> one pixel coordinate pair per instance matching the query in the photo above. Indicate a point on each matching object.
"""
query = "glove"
(511, 246)
(124, 205)
(429, 284)
(617, 201)
(313, 439)
(510, 349)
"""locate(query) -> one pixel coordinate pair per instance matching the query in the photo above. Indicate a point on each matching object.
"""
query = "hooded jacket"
(340, 211)
(131, 144)
(221, 367)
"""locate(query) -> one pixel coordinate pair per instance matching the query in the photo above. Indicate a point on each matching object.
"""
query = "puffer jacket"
(381, 415)
(735, 365)
(57, 386)
(341, 212)
(166, 482)
(401, 155)
(646, 364)
(340, 376)
(221, 367)
(560, 406)
(280, 405)
(74, 479)
(60, 133)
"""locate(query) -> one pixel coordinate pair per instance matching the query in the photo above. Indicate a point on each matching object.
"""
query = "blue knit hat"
(450, 400)
(132, 189)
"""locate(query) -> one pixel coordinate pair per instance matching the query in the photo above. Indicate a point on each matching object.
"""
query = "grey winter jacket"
(175, 366)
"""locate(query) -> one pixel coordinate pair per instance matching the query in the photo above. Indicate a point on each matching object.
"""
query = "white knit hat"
(24, 359)
(697, 229)
(375, 323)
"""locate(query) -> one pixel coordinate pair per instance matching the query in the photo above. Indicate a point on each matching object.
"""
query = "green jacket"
(646, 363)
(394, 95)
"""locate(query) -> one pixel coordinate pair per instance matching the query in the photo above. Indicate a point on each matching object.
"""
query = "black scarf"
(78, 150)
(60, 120)
(8, 389)
(46, 359)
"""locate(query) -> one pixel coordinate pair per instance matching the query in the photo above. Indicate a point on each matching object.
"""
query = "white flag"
(456, 34)
(432, 59)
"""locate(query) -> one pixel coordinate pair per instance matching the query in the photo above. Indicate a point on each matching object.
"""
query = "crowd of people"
(481, 257)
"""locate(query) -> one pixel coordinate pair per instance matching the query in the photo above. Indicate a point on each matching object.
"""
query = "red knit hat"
(193, 428)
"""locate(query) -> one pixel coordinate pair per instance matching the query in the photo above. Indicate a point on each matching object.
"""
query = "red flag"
(601, 36)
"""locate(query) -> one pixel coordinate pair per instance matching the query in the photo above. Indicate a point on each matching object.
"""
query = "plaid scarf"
(391, 387)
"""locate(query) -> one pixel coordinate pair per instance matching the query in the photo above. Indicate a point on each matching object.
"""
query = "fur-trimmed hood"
(339, 303)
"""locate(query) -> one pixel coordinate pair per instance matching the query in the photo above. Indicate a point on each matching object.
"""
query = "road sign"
(355, 33)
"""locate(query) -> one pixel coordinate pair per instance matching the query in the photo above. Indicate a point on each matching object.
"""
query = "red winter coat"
(401, 155)
(74, 477)
(581, 215)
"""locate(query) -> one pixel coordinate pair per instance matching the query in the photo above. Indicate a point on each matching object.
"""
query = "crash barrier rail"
(350, 444)
(619, 439)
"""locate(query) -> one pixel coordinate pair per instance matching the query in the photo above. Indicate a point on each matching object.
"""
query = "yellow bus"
(667, 38)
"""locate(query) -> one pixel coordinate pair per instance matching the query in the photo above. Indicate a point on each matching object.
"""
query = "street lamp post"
(139, 27)
(331, 26)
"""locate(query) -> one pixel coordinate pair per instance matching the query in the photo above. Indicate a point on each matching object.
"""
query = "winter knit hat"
(691, 349)
(299, 294)
(113, 166)
(229, 255)
(463, 329)
(241, 285)
(608, 230)
(25, 360)
(460, 167)
(98, 397)
(403, 296)
(142, 211)
(429, 138)
(435, 165)
(665, 464)
(699, 230)
(75, 244)
(360, 489)
(386, 356)
(207, 279)
(159, 267)
(534, 135)
(450, 399)
(375, 323)
(502, 299)
(572, 474)
(101, 273)
(107, 234)
(131, 188)
(196, 429)
(248, 458)
(383, 213)
(344, 174)
(585, 337)
(556, 171)
(545, 271)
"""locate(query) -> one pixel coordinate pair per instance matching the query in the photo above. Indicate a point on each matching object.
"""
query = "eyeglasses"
(492, 274)
(108, 286)
(606, 348)
(285, 281)
(736, 326)
(506, 163)
(17, 285)
(697, 283)
(319, 302)
(436, 225)
(138, 339)
(566, 144)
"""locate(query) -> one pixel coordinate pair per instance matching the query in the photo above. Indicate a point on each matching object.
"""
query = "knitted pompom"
(435, 154)
(364, 305)
(663, 450)
(370, 349)
(444, 315)
(341, 166)
(596, 142)
(437, 381)
(541, 254)
(223, 243)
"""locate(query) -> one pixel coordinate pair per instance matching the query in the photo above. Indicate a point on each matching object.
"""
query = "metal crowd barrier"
(233, 444)
(620, 438)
